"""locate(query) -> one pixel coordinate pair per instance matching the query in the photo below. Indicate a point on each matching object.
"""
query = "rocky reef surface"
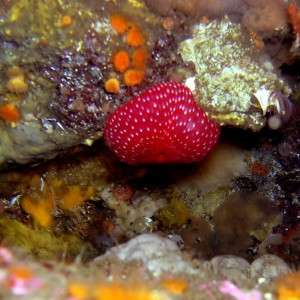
(62, 76)
(226, 227)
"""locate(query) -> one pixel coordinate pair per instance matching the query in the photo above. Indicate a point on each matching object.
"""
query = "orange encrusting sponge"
(140, 58)
(134, 37)
(40, 209)
(131, 62)
(112, 85)
(119, 23)
(288, 287)
(121, 60)
(122, 292)
(133, 77)
(176, 286)
(9, 113)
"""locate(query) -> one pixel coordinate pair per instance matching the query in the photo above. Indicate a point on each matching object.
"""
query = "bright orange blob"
(78, 291)
(112, 85)
(140, 58)
(66, 20)
(175, 286)
(119, 23)
(9, 113)
(288, 287)
(40, 203)
(134, 37)
(75, 196)
(133, 77)
(21, 272)
(40, 209)
(120, 292)
(121, 60)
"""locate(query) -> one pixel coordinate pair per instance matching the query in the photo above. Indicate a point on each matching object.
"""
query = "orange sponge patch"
(119, 23)
(78, 291)
(112, 85)
(132, 62)
(133, 77)
(134, 37)
(21, 273)
(120, 292)
(121, 60)
(75, 196)
(9, 113)
(175, 286)
(140, 58)
(288, 287)
(40, 209)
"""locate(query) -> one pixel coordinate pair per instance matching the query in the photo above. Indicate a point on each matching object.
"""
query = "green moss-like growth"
(40, 243)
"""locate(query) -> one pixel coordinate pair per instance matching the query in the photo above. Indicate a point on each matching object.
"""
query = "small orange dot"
(133, 77)
(140, 58)
(134, 37)
(118, 23)
(112, 85)
(121, 60)
(9, 113)
(66, 20)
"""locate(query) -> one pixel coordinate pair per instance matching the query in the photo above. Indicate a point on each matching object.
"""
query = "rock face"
(60, 80)
(54, 74)
(255, 15)
(233, 78)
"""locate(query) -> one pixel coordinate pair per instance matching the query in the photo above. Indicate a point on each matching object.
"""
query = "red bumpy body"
(162, 125)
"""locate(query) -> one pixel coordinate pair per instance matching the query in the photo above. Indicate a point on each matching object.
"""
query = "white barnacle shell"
(277, 105)
(263, 97)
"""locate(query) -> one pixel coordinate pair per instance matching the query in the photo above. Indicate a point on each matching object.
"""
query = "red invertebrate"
(162, 125)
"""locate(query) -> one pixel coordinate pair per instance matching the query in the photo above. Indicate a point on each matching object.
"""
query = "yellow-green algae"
(43, 21)
(42, 244)
(175, 213)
